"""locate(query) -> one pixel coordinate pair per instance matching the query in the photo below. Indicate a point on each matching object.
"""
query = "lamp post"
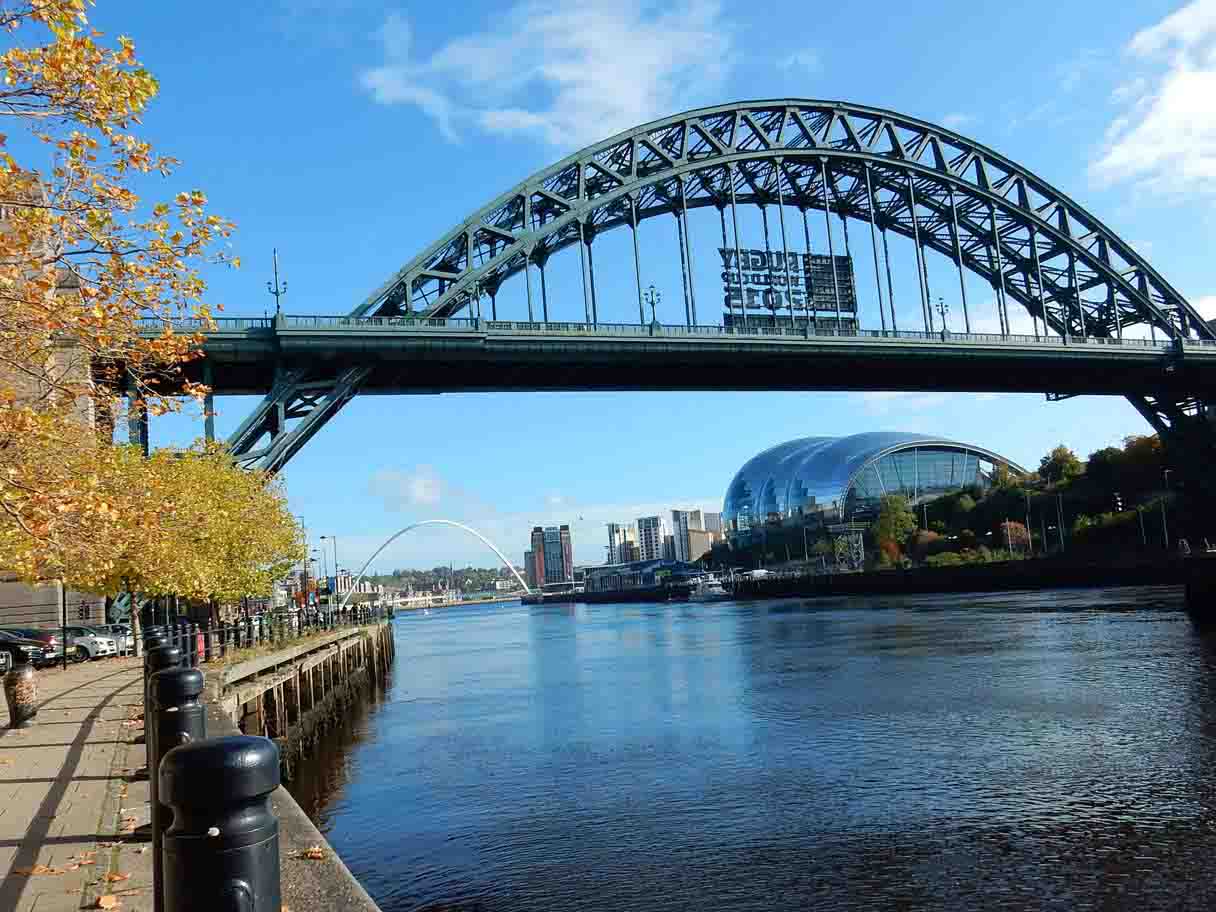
(943, 308)
(653, 297)
(276, 289)
(333, 540)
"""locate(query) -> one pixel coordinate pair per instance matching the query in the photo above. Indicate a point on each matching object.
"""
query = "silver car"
(121, 634)
(90, 643)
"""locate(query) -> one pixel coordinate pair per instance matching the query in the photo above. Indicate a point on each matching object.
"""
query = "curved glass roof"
(815, 474)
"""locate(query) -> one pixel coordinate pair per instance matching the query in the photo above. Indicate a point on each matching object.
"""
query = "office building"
(651, 532)
(712, 522)
(529, 570)
(669, 547)
(567, 554)
(682, 521)
(699, 543)
(617, 536)
(537, 563)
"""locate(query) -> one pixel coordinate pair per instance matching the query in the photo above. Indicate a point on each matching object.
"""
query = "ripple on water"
(1015, 750)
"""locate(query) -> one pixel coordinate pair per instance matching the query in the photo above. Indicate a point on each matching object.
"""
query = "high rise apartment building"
(651, 532)
(567, 554)
(681, 522)
(619, 536)
(536, 558)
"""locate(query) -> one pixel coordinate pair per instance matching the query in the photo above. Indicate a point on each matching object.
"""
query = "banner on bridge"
(768, 285)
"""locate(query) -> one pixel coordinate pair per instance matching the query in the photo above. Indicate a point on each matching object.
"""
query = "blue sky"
(350, 134)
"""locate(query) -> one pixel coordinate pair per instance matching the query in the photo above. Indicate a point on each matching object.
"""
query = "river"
(1014, 751)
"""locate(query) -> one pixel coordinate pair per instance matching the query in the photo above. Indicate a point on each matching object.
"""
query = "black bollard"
(158, 659)
(180, 719)
(221, 851)
(152, 640)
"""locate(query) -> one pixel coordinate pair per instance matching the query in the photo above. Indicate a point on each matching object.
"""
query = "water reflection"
(1023, 751)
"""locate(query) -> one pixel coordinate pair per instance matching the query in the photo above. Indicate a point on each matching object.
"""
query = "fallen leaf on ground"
(36, 869)
(108, 902)
(117, 878)
(316, 853)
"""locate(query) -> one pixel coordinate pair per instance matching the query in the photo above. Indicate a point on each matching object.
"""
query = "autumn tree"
(895, 522)
(92, 283)
(1060, 464)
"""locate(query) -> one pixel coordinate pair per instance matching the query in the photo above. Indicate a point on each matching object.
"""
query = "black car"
(14, 649)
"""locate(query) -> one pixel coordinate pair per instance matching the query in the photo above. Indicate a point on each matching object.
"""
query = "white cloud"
(804, 59)
(419, 487)
(1164, 139)
(567, 74)
(956, 121)
(1206, 306)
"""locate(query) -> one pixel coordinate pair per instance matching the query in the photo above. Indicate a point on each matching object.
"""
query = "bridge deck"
(454, 355)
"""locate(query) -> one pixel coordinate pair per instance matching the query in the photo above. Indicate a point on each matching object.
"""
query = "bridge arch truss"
(1031, 243)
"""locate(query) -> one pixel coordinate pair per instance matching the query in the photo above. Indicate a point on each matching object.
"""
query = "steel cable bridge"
(1104, 321)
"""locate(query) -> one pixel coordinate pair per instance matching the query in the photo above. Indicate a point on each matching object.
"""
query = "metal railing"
(207, 642)
(808, 331)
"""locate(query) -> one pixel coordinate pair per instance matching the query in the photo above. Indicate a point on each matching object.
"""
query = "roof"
(792, 473)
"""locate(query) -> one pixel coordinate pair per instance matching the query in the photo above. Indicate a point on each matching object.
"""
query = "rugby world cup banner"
(767, 284)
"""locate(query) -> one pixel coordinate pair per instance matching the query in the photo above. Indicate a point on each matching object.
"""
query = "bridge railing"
(577, 328)
(215, 324)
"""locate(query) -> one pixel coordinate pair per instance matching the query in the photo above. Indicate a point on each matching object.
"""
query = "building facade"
(815, 481)
(699, 543)
(651, 532)
(618, 536)
(536, 558)
(683, 521)
(558, 564)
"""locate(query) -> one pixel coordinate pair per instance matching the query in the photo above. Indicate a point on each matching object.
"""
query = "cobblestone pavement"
(70, 811)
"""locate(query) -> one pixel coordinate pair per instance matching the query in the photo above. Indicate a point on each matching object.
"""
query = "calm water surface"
(1016, 751)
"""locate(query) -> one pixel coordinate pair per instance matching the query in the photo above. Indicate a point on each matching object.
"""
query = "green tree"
(895, 521)
(1105, 468)
(1059, 465)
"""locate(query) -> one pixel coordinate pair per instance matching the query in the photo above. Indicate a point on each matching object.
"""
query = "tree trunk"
(136, 635)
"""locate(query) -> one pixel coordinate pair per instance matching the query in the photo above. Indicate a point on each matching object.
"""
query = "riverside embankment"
(1009, 576)
(293, 696)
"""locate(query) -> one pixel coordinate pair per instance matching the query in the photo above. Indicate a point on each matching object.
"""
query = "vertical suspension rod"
(582, 271)
(692, 285)
(1076, 292)
(1000, 268)
(958, 262)
(637, 263)
(811, 311)
(920, 260)
(882, 316)
(827, 224)
(886, 255)
(734, 218)
(768, 266)
(785, 247)
(683, 269)
(528, 280)
(544, 291)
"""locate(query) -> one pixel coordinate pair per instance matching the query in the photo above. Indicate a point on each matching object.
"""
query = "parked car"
(90, 643)
(121, 634)
(14, 649)
(52, 648)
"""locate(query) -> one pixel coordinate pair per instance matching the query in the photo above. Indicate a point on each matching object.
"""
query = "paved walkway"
(68, 807)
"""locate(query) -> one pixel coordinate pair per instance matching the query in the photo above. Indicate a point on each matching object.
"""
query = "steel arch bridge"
(1104, 320)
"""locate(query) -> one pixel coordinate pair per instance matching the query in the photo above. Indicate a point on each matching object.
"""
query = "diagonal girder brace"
(266, 440)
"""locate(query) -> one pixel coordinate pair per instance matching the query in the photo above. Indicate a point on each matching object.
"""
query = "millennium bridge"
(474, 310)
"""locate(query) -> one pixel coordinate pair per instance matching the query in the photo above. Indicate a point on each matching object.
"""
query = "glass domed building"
(816, 480)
